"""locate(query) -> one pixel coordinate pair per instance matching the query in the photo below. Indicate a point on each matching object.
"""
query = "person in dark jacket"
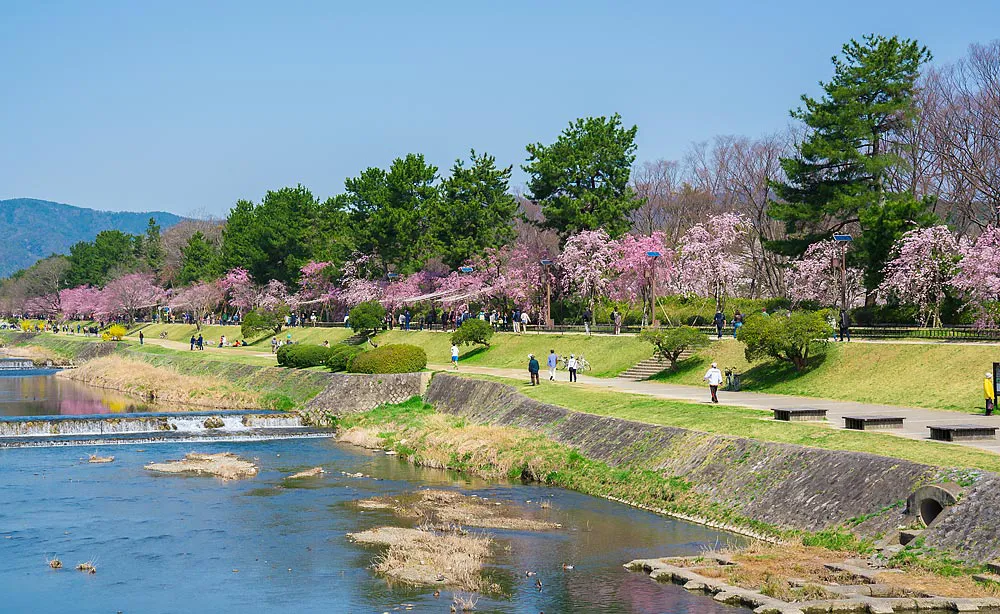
(533, 369)
(845, 325)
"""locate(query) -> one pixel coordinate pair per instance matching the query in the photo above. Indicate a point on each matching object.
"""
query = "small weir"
(32, 431)
(16, 364)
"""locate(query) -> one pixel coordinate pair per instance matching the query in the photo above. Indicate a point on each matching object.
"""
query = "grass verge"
(933, 375)
(751, 423)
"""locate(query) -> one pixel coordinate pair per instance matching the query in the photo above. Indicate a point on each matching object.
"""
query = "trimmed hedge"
(341, 357)
(300, 356)
(396, 358)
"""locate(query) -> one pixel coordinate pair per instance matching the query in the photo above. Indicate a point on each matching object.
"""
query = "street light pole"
(652, 286)
(843, 240)
(548, 293)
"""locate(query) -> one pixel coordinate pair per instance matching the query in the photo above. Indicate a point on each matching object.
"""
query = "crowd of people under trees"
(919, 193)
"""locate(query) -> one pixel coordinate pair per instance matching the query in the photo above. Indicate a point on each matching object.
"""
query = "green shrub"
(341, 357)
(300, 356)
(473, 332)
(367, 318)
(786, 338)
(670, 343)
(397, 358)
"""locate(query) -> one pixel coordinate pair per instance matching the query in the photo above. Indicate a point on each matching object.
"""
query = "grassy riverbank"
(933, 375)
(751, 423)
(418, 434)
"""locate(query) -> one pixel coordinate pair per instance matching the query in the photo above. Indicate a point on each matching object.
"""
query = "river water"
(41, 393)
(166, 544)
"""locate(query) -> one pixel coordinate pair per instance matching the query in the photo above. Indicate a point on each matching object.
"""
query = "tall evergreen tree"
(273, 239)
(200, 260)
(582, 180)
(476, 210)
(152, 246)
(389, 212)
(837, 180)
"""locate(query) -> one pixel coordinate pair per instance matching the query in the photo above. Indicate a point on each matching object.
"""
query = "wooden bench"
(799, 414)
(963, 432)
(873, 423)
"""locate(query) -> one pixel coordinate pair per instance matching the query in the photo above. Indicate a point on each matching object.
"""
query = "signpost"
(466, 269)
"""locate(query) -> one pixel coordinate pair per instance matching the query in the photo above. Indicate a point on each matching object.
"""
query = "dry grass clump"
(93, 458)
(478, 446)
(308, 473)
(770, 567)
(87, 567)
(55, 563)
(422, 557)
(151, 383)
(225, 465)
(449, 510)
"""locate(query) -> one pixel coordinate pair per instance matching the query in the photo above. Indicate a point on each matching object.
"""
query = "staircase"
(651, 366)
(357, 339)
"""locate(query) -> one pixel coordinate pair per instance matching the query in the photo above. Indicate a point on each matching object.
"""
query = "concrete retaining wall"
(789, 486)
(351, 393)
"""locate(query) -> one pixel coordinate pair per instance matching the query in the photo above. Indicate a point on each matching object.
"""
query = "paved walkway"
(914, 427)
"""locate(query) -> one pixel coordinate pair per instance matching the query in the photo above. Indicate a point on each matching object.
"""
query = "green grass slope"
(938, 376)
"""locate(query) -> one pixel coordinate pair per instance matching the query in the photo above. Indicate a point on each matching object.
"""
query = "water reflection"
(170, 544)
(44, 394)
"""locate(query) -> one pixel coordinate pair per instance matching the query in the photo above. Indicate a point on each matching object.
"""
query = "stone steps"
(994, 567)
(651, 366)
(355, 340)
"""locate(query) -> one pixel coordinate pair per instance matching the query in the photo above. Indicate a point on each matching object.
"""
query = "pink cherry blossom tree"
(243, 293)
(128, 295)
(355, 287)
(200, 299)
(923, 264)
(79, 302)
(978, 276)
(816, 277)
(635, 271)
(713, 258)
(587, 262)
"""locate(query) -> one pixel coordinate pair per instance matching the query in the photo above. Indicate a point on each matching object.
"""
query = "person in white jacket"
(714, 377)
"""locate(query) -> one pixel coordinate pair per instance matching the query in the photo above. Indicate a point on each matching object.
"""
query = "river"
(166, 544)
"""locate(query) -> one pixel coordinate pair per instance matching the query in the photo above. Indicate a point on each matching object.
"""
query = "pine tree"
(837, 180)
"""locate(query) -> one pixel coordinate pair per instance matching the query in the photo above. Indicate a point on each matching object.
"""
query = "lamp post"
(652, 286)
(545, 262)
(842, 241)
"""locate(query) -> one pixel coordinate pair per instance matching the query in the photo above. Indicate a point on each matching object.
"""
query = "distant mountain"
(31, 229)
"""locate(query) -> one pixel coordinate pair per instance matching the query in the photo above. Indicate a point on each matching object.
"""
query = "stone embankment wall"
(352, 393)
(792, 487)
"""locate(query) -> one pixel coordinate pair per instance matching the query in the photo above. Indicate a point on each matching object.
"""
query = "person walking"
(714, 378)
(408, 319)
(533, 369)
(737, 323)
(525, 320)
(989, 392)
(454, 357)
(571, 365)
(201, 342)
(845, 325)
(587, 315)
(193, 341)
(274, 345)
(720, 321)
(141, 338)
(617, 319)
(553, 361)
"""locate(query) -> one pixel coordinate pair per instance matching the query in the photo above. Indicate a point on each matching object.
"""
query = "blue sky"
(188, 106)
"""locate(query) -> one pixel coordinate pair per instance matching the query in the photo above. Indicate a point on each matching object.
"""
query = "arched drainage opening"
(929, 511)
(928, 502)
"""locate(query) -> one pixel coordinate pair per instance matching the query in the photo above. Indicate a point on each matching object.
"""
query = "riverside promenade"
(915, 425)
